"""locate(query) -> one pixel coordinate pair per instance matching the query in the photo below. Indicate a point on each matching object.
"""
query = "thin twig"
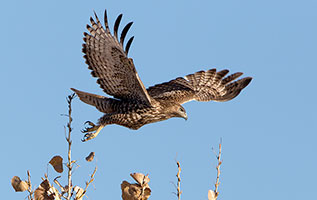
(218, 172)
(88, 183)
(61, 187)
(69, 163)
(179, 192)
(30, 186)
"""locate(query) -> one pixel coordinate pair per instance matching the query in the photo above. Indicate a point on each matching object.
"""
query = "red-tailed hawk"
(133, 105)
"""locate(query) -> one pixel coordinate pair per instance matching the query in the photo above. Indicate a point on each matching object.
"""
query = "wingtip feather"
(247, 81)
(127, 47)
(106, 21)
(124, 32)
(116, 26)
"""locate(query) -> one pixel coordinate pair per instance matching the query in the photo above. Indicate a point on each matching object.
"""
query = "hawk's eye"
(181, 109)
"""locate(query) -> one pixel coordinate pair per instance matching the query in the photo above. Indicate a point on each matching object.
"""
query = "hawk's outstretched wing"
(201, 86)
(108, 61)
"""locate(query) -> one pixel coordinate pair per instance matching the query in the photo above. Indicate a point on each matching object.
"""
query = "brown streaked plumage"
(134, 106)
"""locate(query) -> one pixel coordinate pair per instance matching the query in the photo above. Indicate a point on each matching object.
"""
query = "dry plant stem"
(69, 163)
(88, 183)
(218, 171)
(61, 187)
(30, 186)
(179, 192)
(57, 183)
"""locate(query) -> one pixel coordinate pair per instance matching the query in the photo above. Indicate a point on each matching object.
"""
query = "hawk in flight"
(133, 105)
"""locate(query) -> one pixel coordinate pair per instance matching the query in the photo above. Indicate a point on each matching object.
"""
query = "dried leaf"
(79, 191)
(42, 192)
(129, 191)
(125, 190)
(57, 163)
(211, 195)
(140, 178)
(18, 185)
(135, 191)
(90, 157)
(65, 188)
(147, 192)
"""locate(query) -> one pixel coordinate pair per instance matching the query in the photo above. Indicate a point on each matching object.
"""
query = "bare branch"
(63, 189)
(68, 139)
(30, 186)
(215, 193)
(179, 192)
(88, 183)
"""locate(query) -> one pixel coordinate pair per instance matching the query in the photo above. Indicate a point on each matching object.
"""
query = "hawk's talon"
(89, 136)
(92, 127)
(91, 132)
(89, 123)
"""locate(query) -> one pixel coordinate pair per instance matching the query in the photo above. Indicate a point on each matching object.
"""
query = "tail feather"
(103, 104)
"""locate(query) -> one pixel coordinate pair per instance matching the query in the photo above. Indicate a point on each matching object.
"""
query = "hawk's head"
(178, 111)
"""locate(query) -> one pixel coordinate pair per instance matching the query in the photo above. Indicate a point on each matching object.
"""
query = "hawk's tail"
(213, 85)
(103, 104)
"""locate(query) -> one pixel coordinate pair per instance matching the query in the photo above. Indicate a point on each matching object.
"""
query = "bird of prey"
(132, 104)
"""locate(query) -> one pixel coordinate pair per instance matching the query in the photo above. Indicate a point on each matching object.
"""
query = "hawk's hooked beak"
(181, 113)
(185, 117)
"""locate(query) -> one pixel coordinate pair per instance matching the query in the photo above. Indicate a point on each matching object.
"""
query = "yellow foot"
(91, 132)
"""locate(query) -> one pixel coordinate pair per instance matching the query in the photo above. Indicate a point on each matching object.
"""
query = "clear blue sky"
(268, 131)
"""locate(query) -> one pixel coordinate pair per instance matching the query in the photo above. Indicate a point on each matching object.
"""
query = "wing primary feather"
(97, 19)
(128, 45)
(85, 37)
(106, 22)
(124, 32)
(93, 23)
(91, 30)
(116, 26)
(219, 75)
(95, 15)
(231, 78)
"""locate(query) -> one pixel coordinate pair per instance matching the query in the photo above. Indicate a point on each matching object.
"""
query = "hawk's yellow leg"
(92, 131)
